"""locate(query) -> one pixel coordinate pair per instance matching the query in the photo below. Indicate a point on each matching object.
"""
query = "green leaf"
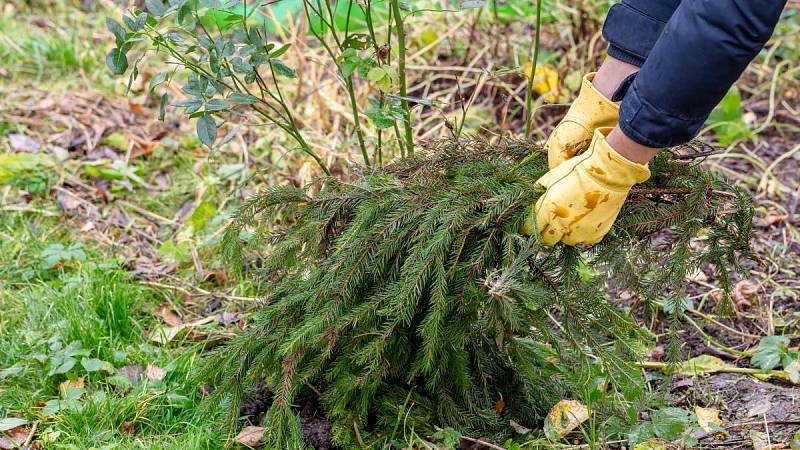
(15, 165)
(190, 105)
(376, 74)
(156, 80)
(96, 365)
(155, 7)
(204, 212)
(771, 350)
(217, 104)
(669, 423)
(117, 61)
(356, 41)
(280, 51)
(282, 69)
(116, 29)
(64, 367)
(207, 130)
(381, 118)
(240, 98)
(162, 106)
(640, 433)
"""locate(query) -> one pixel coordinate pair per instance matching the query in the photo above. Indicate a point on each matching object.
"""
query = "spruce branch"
(415, 276)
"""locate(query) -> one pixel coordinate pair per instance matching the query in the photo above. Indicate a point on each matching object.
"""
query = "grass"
(83, 280)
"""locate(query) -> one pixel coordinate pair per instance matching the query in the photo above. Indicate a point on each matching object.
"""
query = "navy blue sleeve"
(702, 51)
(632, 28)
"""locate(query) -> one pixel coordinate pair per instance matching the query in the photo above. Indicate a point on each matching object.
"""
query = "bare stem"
(534, 60)
(401, 69)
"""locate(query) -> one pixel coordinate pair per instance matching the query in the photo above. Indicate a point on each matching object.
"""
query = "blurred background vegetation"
(111, 285)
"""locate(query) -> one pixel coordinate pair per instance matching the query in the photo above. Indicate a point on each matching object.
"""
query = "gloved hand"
(589, 111)
(584, 194)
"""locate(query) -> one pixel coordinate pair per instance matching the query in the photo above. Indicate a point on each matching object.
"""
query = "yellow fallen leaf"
(706, 417)
(545, 82)
(652, 444)
(564, 417)
(702, 364)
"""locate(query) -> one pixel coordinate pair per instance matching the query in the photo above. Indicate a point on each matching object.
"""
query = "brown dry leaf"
(772, 219)
(250, 436)
(706, 417)
(499, 405)
(62, 388)
(169, 315)
(744, 293)
(127, 428)
(15, 438)
(138, 109)
(154, 372)
(564, 417)
(67, 201)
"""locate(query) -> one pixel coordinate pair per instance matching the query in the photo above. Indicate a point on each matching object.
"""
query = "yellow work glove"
(589, 111)
(584, 194)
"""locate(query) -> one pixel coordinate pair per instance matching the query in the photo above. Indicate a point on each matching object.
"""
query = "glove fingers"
(568, 138)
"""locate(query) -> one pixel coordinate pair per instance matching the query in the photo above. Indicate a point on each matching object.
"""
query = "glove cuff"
(610, 168)
(589, 98)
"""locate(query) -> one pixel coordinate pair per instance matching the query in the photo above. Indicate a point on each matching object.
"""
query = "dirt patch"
(745, 404)
(316, 428)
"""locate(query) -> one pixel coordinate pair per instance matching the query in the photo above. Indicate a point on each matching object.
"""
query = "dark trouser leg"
(632, 28)
(702, 51)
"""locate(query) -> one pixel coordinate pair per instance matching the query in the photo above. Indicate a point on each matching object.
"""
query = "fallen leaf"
(744, 292)
(127, 428)
(138, 109)
(62, 388)
(154, 372)
(761, 441)
(22, 143)
(697, 275)
(227, 318)
(10, 423)
(164, 335)
(702, 364)
(652, 444)
(707, 418)
(134, 373)
(545, 82)
(67, 201)
(250, 436)
(499, 405)
(169, 315)
(15, 437)
(520, 429)
(564, 417)
(772, 219)
(793, 371)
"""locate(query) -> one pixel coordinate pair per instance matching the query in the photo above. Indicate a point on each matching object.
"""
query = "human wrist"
(610, 75)
(628, 148)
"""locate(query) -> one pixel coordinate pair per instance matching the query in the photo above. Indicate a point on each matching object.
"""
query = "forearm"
(703, 50)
